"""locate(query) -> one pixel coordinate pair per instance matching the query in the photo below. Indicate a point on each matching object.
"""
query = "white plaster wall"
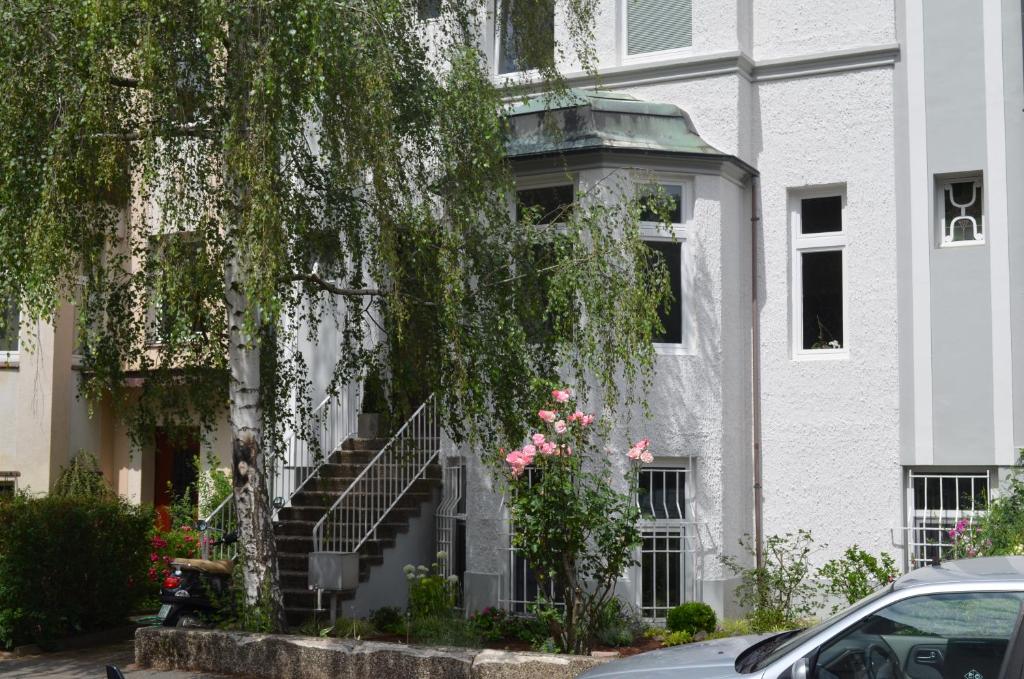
(830, 429)
(785, 28)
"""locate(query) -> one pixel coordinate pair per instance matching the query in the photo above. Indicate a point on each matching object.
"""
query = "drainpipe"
(755, 378)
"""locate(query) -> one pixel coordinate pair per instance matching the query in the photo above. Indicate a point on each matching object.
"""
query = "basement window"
(819, 272)
(937, 502)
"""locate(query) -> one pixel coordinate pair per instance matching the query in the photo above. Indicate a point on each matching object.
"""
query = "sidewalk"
(87, 663)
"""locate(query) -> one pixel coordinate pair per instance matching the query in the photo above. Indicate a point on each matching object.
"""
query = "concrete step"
(418, 493)
(397, 522)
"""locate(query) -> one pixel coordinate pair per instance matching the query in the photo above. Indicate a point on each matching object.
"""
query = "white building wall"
(830, 432)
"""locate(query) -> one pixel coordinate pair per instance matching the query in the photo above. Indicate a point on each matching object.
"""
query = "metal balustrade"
(355, 515)
(333, 421)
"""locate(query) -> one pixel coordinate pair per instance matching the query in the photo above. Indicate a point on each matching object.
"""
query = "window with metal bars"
(667, 550)
(523, 588)
(936, 502)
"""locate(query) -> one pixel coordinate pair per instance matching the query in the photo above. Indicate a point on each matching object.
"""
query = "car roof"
(979, 570)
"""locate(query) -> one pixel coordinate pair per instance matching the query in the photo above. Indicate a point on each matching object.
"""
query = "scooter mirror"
(201, 525)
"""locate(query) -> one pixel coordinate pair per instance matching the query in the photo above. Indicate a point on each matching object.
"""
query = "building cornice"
(739, 64)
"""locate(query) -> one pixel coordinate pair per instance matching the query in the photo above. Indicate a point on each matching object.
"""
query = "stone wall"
(273, 655)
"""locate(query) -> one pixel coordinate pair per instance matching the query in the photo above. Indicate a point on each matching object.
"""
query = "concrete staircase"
(294, 525)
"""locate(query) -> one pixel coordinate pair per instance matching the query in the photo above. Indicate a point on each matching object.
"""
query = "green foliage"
(782, 593)
(82, 478)
(692, 617)
(618, 624)
(1002, 527)
(388, 619)
(354, 628)
(443, 630)
(490, 624)
(856, 575)
(677, 638)
(571, 524)
(431, 594)
(69, 565)
(214, 486)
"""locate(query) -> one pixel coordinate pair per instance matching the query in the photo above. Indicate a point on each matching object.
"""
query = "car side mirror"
(801, 669)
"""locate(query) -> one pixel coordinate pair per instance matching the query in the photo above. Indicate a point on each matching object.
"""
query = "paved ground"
(89, 663)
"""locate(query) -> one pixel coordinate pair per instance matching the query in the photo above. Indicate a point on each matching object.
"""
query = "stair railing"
(355, 515)
(333, 421)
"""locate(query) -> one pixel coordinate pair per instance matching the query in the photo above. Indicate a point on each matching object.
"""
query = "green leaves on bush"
(82, 478)
(69, 565)
(692, 617)
(857, 575)
(781, 593)
(388, 619)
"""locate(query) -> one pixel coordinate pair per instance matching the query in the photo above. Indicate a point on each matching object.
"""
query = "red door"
(177, 452)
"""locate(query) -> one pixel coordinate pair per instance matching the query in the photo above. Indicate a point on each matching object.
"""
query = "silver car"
(959, 620)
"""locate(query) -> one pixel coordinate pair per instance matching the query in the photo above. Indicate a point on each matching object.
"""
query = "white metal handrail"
(333, 421)
(355, 515)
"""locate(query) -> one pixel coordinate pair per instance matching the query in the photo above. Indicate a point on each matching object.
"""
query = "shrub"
(430, 593)
(618, 624)
(857, 575)
(677, 638)
(443, 630)
(571, 524)
(82, 478)
(780, 594)
(491, 624)
(69, 565)
(388, 619)
(692, 617)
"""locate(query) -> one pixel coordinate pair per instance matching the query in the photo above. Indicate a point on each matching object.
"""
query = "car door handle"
(930, 657)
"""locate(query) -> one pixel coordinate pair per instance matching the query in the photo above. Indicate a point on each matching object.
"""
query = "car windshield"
(760, 655)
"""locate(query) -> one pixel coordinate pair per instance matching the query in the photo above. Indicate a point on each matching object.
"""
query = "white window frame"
(12, 358)
(928, 527)
(625, 58)
(816, 242)
(497, 37)
(943, 182)
(687, 530)
(679, 232)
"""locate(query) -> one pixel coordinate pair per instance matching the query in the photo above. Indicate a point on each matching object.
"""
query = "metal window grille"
(937, 502)
(963, 218)
(9, 483)
(522, 588)
(451, 512)
(671, 543)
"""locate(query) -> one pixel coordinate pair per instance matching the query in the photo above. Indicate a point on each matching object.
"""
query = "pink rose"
(560, 395)
(547, 447)
(633, 453)
(547, 415)
(529, 449)
(646, 457)
(537, 439)
(512, 457)
(586, 420)
(560, 427)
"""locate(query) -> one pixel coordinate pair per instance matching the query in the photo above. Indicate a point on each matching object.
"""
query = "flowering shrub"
(181, 542)
(431, 593)
(575, 530)
(968, 541)
(857, 575)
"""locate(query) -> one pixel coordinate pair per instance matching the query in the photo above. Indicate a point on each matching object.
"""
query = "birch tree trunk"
(257, 547)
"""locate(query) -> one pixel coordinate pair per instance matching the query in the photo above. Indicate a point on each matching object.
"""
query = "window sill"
(822, 355)
(961, 244)
(10, 360)
(665, 349)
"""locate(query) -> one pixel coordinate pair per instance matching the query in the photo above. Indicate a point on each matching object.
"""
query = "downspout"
(755, 378)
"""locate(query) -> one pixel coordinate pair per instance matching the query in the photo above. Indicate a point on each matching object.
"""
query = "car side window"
(935, 636)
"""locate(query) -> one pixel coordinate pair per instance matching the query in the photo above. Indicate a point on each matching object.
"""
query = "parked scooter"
(196, 588)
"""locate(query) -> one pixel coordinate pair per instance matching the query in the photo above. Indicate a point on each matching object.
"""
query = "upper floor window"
(962, 211)
(428, 9)
(657, 26)
(661, 227)
(819, 295)
(10, 320)
(520, 24)
(545, 205)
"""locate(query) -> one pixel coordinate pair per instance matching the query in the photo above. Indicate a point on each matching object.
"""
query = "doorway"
(176, 458)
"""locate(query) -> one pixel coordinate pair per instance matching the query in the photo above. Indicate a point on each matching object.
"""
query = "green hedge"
(69, 565)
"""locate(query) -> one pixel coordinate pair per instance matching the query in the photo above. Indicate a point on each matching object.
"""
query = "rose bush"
(577, 532)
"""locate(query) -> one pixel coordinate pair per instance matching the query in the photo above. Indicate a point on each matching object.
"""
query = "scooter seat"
(206, 566)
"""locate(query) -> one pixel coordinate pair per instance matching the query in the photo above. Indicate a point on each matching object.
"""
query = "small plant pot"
(369, 425)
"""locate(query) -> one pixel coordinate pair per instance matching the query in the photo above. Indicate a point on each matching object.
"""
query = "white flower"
(442, 555)
(408, 569)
